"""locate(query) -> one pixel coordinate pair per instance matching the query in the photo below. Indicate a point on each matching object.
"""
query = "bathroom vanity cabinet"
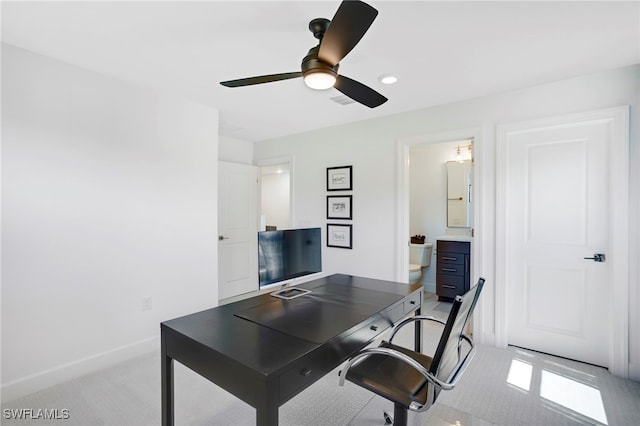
(453, 270)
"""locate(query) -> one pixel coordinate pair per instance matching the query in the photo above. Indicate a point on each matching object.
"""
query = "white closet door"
(558, 214)
(238, 229)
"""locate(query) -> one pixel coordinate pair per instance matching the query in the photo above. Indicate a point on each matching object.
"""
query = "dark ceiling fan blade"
(359, 92)
(348, 26)
(261, 79)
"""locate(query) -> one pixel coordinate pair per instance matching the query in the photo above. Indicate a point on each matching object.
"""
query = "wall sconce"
(460, 156)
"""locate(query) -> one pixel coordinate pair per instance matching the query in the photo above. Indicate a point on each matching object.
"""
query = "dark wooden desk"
(266, 350)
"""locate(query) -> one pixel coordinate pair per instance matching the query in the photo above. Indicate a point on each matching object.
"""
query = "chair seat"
(392, 378)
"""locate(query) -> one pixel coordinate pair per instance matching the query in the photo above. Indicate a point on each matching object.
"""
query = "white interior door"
(238, 229)
(557, 205)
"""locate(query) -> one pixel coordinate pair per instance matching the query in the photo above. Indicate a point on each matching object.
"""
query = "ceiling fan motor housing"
(311, 63)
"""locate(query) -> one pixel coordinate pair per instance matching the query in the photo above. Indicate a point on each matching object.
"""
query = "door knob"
(222, 237)
(598, 257)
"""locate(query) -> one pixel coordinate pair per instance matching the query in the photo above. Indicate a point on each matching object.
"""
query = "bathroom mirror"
(459, 185)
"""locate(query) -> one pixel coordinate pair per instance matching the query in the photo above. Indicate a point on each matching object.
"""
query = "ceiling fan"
(320, 67)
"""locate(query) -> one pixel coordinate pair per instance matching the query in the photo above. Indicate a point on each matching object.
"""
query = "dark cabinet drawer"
(448, 257)
(450, 286)
(451, 268)
(462, 247)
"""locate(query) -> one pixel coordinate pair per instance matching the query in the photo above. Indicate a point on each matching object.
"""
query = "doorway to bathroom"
(425, 204)
(439, 200)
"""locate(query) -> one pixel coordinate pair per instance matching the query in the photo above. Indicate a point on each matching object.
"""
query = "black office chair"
(411, 380)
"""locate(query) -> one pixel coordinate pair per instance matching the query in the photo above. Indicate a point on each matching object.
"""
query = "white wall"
(109, 195)
(235, 150)
(373, 194)
(370, 147)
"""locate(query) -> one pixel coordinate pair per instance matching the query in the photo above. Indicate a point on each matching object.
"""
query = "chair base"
(400, 416)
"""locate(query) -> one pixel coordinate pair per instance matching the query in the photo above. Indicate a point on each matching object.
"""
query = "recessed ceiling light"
(388, 78)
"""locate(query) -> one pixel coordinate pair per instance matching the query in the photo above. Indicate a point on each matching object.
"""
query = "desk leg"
(267, 416)
(267, 409)
(418, 332)
(167, 384)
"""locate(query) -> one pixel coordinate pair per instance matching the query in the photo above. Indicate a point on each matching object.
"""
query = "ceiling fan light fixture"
(320, 79)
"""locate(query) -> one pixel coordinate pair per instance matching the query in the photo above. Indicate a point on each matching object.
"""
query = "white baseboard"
(486, 339)
(47, 378)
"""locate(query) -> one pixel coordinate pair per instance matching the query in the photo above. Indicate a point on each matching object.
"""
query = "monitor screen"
(288, 254)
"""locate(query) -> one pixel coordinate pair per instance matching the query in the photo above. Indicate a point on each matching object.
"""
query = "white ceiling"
(442, 52)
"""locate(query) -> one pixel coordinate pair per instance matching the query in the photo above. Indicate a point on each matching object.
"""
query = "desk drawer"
(312, 367)
(306, 372)
(412, 304)
(372, 329)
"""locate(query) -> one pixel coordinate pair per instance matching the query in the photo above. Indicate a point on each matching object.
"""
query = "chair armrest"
(451, 382)
(388, 352)
(409, 320)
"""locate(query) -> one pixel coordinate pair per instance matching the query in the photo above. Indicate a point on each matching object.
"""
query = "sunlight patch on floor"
(562, 389)
(520, 374)
(573, 395)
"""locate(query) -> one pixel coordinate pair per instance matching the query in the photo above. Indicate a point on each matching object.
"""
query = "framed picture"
(339, 178)
(339, 235)
(339, 207)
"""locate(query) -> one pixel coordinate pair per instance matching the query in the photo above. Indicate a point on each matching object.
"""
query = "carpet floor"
(501, 387)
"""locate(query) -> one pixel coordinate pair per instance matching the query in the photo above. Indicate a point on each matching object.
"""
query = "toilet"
(419, 257)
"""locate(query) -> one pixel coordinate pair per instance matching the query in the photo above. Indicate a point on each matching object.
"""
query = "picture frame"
(339, 178)
(339, 207)
(339, 235)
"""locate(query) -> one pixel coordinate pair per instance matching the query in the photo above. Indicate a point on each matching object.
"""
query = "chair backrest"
(448, 352)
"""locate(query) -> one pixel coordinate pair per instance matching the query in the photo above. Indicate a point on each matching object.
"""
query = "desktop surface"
(331, 309)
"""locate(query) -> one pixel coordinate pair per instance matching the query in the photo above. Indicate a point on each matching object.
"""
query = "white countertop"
(455, 238)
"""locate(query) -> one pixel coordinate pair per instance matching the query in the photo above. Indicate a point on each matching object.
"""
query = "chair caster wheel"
(387, 418)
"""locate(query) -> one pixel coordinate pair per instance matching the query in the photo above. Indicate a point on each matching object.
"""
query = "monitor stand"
(290, 293)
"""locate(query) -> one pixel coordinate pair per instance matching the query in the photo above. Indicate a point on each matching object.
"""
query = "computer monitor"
(288, 254)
